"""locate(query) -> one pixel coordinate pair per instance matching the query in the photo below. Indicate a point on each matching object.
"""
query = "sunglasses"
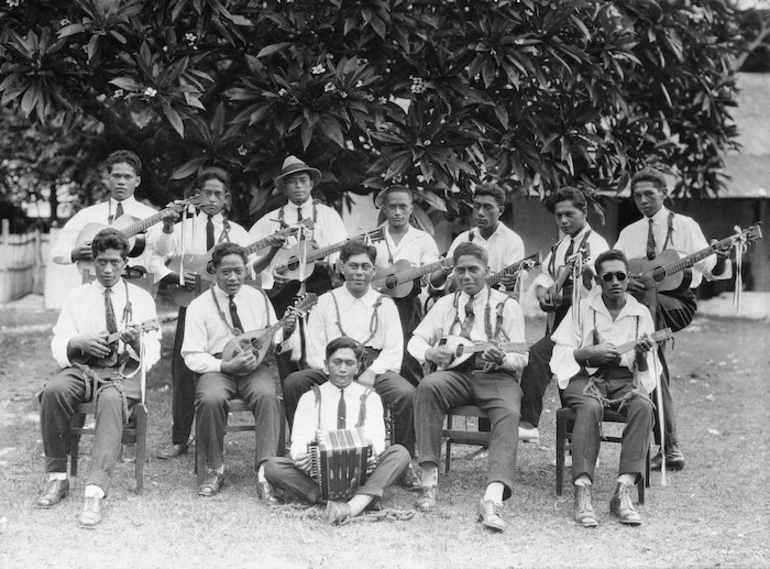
(607, 277)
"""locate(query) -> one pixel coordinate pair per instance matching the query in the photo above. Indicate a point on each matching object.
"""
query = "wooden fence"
(22, 263)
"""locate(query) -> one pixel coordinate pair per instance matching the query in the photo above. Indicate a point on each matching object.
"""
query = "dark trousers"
(410, 313)
(394, 390)
(283, 473)
(58, 402)
(182, 386)
(497, 393)
(638, 412)
(213, 392)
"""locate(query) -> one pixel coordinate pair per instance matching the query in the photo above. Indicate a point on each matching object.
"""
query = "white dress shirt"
(438, 323)
(596, 245)
(328, 230)
(686, 238)
(504, 246)
(306, 424)
(104, 213)
(356, 319)
(84, 313)
(416, 246)
(623, 329)
(205, 334)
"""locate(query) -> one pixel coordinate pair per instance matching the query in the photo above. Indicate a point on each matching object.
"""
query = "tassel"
(740, 249)
(577, 274)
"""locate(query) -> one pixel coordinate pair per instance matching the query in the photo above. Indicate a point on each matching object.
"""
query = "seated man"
(94, 369)
(479, 314)
(339, 403)
(213, 319)
(593, 375)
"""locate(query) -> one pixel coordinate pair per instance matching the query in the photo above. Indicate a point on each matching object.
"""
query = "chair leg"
(74, 451)
(448, 457)
(141, 448)
(561, 437)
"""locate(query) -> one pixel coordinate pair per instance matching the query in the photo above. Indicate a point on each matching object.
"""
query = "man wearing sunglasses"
(594, 374)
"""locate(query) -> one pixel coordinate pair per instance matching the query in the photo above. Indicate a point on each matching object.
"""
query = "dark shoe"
(622, 506)
(173, 451)
(212, 484)
(583, 509)
(266, 494)
(410, 480)
(427, 500)
(91, 515)
(55, 492)
(491, 515)
(337, 512)
(674, 460)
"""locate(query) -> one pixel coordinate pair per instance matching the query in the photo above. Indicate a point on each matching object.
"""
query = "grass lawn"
(716, 513)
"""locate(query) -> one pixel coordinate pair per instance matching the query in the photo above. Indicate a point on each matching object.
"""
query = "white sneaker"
(528, 435)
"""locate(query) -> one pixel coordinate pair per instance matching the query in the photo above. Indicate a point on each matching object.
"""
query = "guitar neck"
(509, 270)
(257, 245)
(690, 260)
(321, 252)
(658, 336)
(505, 346)
(143, 224)
(417, 272)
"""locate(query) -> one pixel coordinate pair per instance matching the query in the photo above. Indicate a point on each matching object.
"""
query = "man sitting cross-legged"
(340, 403)
(593, 375)
(480, 314)
(213, 319)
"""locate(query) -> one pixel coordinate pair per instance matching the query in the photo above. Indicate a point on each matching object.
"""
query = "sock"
(583, 480)
(526, 425)
(219, 470)
(627, 479)
(358, 502)
(261, 473)
(57, 476)
(93, 491)
(429, 474)
(494, 492)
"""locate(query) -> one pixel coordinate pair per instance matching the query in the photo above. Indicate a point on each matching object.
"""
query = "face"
(398, 209)
(109, 265)
(648, 198)
(486, 212)
(470, 273)
(342, 366)
(298, 187)
(231, 273)
(614, 289)
(358, 271)
(215, 196)
(569, 218)
(123, 181)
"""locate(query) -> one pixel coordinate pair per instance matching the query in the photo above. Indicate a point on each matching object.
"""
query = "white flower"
(150, 92)
(242, 150)
(329, 87)
(117, 94)
(12, 3)
(282, 92)
(359, 84)
(369, 97)
(418, 85)
(64, 22)
(343, 94)
(318, 69)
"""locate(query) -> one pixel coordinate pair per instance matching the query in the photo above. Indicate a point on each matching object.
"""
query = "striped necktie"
(342, 411)
(650, 242)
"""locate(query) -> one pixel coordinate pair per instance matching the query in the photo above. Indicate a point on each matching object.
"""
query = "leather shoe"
(55, 492)
(622, 506)
(337, 512)
(427, 500)
(91, 515)
(212, 484)
(583, 509)
(266, 494)
(173, 451)
(491, 515)
(410, 480)
(674, 460)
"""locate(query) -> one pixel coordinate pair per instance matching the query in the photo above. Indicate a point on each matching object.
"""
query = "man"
(339, 403)
(570, 211)
(480, 314)
(661, 229)
(91, 372)
(593, 375)
(213, 319)
(402, 242)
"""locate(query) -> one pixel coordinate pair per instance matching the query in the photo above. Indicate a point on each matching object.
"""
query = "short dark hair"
(345, 342)
(222, 250)
(125, 157)
(567, 193)
(490, 190)
(109, 238)
(214, 173)
(395, 190)
(650, 174)
(356, 247)
(610, 255)
(470, 248)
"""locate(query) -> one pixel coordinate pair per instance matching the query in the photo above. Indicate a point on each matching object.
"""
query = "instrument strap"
(387, 245)
(374, 321)
(670, 230)
(487, 314)
(552, 261)
(317, 393)
(596, 338)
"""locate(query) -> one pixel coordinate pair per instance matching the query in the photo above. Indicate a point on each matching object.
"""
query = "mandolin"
(397, 281)
(111, 360)
(463, 348)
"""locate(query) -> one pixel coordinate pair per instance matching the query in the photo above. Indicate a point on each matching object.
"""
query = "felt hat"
(293, 165)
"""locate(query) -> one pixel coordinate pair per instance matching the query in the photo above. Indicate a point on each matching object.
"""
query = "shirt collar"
(223, 295)
(305, 206)
(369, 298)
(632, 307)
(580, 234)
(116, 288)
(204, 216)
(661, 216)
(479, 299)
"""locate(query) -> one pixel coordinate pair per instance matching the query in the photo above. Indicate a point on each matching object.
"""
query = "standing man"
(661, 229)
(593, 375)
(213, 319)
(402, 242)
(93, 369)
(479, 314)
(570, 211)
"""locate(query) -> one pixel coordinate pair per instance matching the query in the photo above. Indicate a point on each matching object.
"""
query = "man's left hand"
(290, 323)
(494, 354)
(130, 334)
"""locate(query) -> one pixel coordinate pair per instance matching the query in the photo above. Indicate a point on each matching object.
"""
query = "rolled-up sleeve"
(194, 347)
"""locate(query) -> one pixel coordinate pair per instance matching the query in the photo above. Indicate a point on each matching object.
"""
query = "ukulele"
(113, 358)
(564, 273)
(526, 263)
(658, 336)
(463, 348)
(397, 281)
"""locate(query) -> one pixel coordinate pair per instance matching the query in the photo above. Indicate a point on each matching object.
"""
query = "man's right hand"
(303, 461)
(82, 253)
(442, 355)
(279, 278)
(602, 354)
(92, 345)
(243, 363)
(634, 286)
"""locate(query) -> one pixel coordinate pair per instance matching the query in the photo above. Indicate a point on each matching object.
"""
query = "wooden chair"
(565, 422)
(463, 436)
(133, 433)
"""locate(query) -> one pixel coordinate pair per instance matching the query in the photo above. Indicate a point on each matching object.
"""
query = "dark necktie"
(570, 250)
(109, 311)
(469, 318)
(119, 210)
(210, 234)
(342, 411)
(234, 315)
(299, 215)
(650, 242)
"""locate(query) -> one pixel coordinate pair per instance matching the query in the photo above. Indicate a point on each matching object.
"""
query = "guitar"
(526, 263)
(131, 227)
(260, 341)
(670, 272)
(397, 281)
(129, 363)
(463, 349)
(287, 261)
(556, 290)
(202, 265)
